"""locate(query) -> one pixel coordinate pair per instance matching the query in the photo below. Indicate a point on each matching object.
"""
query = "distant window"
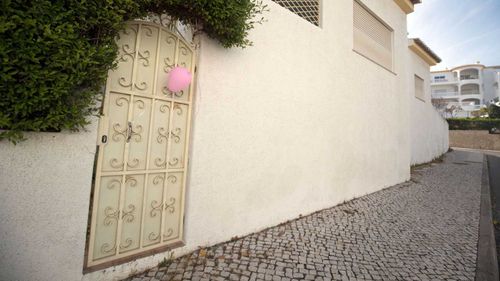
(372, 37)
(307, 9)
(419, 88)
(440, 78)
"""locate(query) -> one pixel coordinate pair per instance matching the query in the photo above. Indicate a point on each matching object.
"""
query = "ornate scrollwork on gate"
(148, 31)
(169, 64)
(131, 181)
(128, 243)
(133, 163)
(127, 53)
(114, 163)
(141, 86)
(110, 215)
(164, 108)
(130, 28)
(165, 91)
(153, 236)
(119, 131)
(139, 103)
(162, 135)
(113, 183)
(144, 57)
(174, 161)
(179, 94)
(169, 233)
(172, 179)
(106, 248)
(178, 109)
(123, 82)
(171, 206)
(121, 101)
(128, 216)
(155, 208)
(175, 134)
(136, 133)
(160, 163)
(158, 179)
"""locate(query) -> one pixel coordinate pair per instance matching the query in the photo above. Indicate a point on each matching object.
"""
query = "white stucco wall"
(429, 130)
(297, 123)
(292, 125)
(45, 188)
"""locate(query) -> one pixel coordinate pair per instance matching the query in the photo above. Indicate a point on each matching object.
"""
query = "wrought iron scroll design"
(106, 248)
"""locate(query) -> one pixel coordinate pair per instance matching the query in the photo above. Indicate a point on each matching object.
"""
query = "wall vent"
(307, 9)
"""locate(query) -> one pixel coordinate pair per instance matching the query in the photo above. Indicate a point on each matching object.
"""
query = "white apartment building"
(467, 87)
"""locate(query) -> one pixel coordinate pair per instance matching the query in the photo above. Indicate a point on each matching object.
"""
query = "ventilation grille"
(307, 9)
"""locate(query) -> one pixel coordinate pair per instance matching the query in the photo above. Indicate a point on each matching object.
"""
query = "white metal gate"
(138, 202)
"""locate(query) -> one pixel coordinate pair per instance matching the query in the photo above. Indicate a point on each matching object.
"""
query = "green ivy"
(55, 54)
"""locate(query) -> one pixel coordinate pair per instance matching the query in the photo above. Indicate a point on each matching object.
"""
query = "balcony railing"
(469, 77)
(468, 107)
(469, 92)
(444, 94)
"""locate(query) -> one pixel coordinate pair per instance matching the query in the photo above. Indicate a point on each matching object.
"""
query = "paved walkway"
(425, 229)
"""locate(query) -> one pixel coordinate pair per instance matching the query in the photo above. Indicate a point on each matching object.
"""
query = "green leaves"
(494, 111)
(52, 66)
(227, 21)
(55, 54)
(473, 123)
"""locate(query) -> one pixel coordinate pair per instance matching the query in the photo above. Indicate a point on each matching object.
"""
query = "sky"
(458, 31)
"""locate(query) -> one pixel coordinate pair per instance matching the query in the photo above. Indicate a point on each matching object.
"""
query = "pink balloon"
(179, 79)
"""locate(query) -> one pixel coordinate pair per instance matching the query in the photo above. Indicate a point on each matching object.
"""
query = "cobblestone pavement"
(425, 229)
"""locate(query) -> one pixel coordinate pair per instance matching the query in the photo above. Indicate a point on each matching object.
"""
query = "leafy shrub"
(227, 21)
(55, 54)
(473, 123)
(494, 111)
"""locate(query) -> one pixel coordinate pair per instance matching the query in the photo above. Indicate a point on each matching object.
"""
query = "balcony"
(470, 89)
(471, 104)
(469, 77)
(469, 74)
(444, 94)
(467, 107)
(469, 92)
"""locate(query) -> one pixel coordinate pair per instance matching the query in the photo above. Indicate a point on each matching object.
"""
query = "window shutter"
(419, 88)
(372, 38)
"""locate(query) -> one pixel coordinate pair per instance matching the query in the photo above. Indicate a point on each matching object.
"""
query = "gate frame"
(194, 45)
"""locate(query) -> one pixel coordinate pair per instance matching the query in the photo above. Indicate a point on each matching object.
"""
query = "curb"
(487, 266)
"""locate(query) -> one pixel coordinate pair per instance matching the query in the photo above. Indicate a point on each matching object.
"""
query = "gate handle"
(129, 131)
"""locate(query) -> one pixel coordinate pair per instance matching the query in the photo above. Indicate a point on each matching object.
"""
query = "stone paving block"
(425, 229)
